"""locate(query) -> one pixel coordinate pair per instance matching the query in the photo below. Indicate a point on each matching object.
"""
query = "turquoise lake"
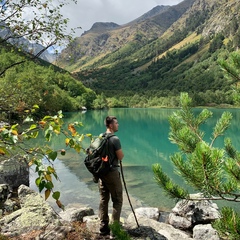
(144, 138)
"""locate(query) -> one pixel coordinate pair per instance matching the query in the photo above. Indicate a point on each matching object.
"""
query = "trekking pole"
(128, 194)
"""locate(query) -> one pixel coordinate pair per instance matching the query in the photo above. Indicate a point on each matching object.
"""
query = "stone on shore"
(35, 214)
(188, 213)
(205, 231)
(158, 229)
(14, 172)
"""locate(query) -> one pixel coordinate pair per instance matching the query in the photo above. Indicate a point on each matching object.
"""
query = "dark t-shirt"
(114, 145)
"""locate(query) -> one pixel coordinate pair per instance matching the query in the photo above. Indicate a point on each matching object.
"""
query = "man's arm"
(119, 154)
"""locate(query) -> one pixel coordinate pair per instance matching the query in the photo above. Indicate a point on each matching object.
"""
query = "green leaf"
(15, 139)
(81, 138)
(50, 169)
(56, 195)
(78, 148)
(48, 136)
(38, 181)
(71, 143)
(41, 186)
(47, 118)
(49, 185)
(35, 106)
(52, 155)
(33, 126)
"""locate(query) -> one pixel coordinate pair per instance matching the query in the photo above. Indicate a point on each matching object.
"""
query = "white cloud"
(86, 12)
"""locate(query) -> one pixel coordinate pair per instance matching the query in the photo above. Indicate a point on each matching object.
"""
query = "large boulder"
(76, 213)
(205, 231)
(14, 171)
(35, 214)
(188, 213)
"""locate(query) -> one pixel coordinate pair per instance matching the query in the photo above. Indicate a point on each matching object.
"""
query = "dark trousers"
(110, 185)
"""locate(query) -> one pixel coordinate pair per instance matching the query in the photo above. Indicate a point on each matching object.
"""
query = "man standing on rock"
(110, 184)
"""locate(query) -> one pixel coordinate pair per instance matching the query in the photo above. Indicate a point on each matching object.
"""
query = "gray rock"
(188, 213)
(4, 193)
(160, 230)
(149, 212)
(76, 214)
(14, 172)
(148, 228)
(92, 223)
(55, 233)
(35, 214)
(205, 231)
(179, 221)
(9, 206)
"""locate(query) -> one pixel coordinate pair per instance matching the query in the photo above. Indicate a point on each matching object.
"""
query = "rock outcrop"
(14, 172)
(188, 213)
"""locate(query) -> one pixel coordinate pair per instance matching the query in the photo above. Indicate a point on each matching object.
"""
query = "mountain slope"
(173, 50)
(144, 29)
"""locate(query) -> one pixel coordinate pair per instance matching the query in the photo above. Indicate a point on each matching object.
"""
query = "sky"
(86, 12)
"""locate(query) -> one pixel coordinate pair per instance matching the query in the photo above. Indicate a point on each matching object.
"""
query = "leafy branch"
(13, 139)
(44, 24)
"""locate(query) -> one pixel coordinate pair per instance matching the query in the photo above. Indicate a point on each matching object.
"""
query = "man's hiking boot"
(104, 230)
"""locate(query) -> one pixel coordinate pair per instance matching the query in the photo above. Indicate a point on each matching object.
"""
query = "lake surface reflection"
(144, 137)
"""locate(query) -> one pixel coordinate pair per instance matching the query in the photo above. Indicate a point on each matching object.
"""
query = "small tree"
(213, 171)
(39, 22)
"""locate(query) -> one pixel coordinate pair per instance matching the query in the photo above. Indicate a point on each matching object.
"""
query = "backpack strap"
(108, 135)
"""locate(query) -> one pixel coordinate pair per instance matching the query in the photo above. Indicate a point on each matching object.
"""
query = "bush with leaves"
(13, 139)
(213, 171)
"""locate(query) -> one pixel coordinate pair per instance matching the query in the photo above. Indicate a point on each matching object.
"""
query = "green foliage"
(176, 61)
(100, 102)
(171, 189)
(45, 25)
(231, 68)
(27, 84)
(229, 224)
(216, 43)
(13, 140)
(171, 73)
(212, 171)
(26, 80)
(118, 232)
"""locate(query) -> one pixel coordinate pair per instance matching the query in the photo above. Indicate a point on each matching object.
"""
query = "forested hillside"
(158, 57)
(37, 82)
(27, 82)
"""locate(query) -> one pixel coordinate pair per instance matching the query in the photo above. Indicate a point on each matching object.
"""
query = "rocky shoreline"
(29, 212)
(188, 220)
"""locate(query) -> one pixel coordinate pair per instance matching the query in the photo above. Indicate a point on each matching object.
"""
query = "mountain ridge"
(144, 55)
(92, 43)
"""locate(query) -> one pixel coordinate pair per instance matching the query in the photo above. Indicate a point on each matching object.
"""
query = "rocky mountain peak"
(100, 27)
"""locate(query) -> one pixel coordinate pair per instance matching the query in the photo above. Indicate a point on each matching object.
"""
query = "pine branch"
(171, 189)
